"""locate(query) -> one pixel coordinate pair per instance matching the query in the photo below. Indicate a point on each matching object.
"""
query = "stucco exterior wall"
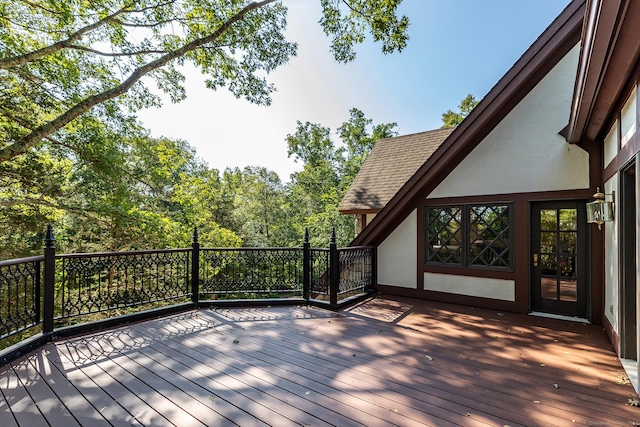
(524, 153)
(398, 253)
(611, 261)
(471, 286)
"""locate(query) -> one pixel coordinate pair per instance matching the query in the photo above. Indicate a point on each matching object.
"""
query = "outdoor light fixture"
(600, 211)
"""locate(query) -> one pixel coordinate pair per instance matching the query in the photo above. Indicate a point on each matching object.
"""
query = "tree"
(138, 193)
(63, 63)
(259, 210)
(450, 118)
(358, 143)
(316, 191)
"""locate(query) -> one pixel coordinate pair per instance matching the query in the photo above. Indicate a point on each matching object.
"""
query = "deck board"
(257, 386)
(455, 394)
(108, 407)
(390, 388)
(48, 402)
(20, 403)
(60, 389)
(320, 370)
(6, 417)
(99, 373)
(315, 388)
(387, 361)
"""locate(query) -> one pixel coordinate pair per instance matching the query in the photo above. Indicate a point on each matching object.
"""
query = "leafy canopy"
(451, 118)
(62, 60)
(329, 169)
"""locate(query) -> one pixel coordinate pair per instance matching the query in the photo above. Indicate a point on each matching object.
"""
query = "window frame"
(466, 258)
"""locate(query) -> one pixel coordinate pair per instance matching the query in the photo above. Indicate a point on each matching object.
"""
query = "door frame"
(581, 308)
(628, 312)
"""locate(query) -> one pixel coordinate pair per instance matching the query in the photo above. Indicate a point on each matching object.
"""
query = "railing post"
(306, 265)
(334, 271)
(49, 281)
(195, 268)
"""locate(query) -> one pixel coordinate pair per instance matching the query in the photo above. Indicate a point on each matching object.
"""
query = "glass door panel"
(558, 258)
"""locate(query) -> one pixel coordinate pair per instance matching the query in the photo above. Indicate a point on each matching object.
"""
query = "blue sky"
(456, 47)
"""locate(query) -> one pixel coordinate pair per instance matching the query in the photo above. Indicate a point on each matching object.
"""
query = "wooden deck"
(388, 361)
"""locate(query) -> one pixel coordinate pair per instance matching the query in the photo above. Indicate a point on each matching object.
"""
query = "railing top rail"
(144, 252)
(21, 260)
(251, 249)
(355, 248)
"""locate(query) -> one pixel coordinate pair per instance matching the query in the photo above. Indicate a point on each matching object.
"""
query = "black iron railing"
(245, 273)
(20, 287)
(100, 282)
(51, 292)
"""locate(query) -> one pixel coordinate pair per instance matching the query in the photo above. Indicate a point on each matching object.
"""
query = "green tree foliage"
(451, 118)
(72, 75)
(259, 209)
(152, 196)
(328, 171)
(133, 192)
(358, 143)
(66, 63)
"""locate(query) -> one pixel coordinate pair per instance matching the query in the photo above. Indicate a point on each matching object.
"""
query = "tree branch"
(14, 61)
(353, 9)
(34, 201)
(116, 54)
(28, 141)
(38, 6)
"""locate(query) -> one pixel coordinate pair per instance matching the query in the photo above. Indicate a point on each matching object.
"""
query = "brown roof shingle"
(388, 167)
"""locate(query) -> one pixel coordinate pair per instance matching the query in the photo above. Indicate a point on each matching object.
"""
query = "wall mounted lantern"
(600, 211)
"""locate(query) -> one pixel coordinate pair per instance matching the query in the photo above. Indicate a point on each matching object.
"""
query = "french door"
(559, 258)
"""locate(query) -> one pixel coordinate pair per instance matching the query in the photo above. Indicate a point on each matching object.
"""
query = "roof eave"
(359, 211)
(600, 37)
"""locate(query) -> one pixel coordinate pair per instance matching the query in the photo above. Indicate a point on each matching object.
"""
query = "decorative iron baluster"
(238, 273)
(92, 283)
(356, 270)
(19, 295)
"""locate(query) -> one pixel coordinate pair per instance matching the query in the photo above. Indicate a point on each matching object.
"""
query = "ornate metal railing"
(243, 273)
(99, 282)
(356, 270)
(50, 293)
(20, 284)
(319, 274)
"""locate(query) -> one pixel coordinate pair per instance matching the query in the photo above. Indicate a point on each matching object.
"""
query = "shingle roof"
(390, 164)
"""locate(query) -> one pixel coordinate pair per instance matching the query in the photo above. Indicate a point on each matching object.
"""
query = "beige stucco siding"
(370, 218)
(398, 253)
(471, 286)
(524, 153)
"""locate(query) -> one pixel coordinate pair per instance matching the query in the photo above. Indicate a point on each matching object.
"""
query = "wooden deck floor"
(388, 361)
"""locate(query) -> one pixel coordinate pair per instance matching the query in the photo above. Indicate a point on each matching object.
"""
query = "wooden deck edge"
(23, 347)
(111, 322)
(251, 302)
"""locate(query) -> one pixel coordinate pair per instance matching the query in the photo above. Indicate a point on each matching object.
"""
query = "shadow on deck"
(385, 361)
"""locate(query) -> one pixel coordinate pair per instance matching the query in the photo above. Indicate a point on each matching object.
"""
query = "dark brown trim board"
(610, 51)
